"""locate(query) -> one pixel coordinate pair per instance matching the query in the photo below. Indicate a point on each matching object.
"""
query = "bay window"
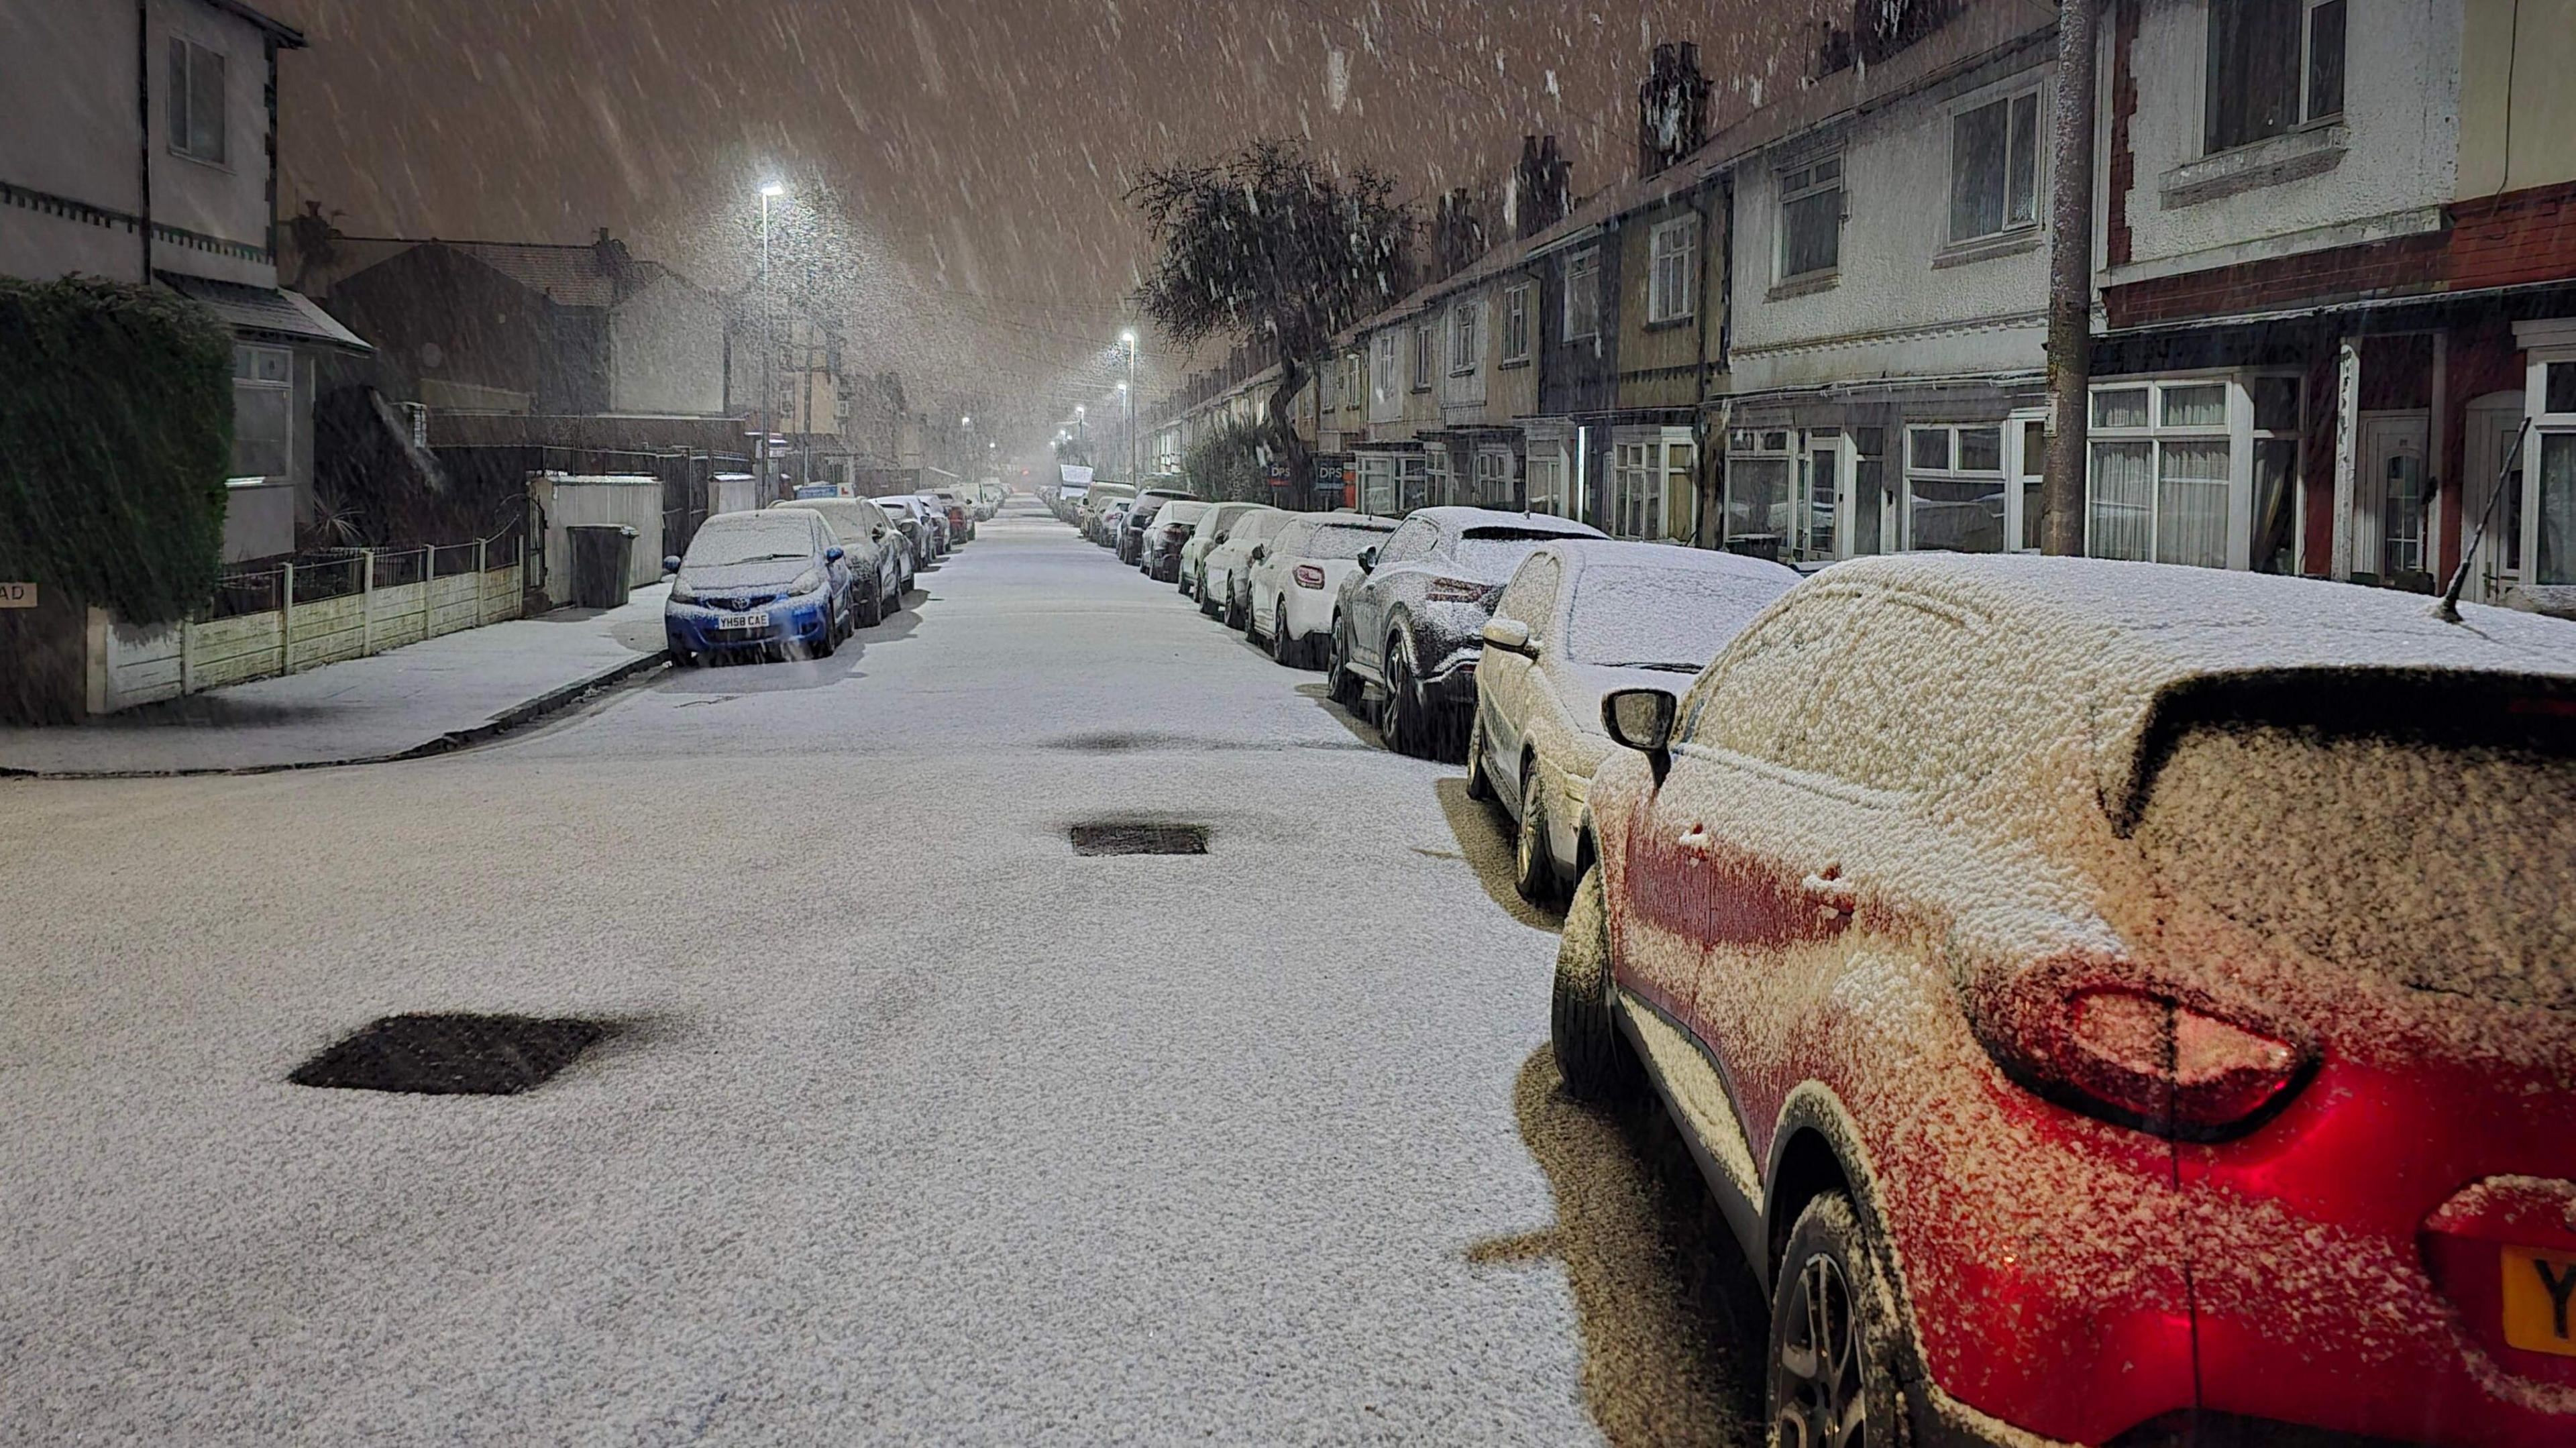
(2185, 467)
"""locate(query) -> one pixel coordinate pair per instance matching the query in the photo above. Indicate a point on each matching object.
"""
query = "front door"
(2390, 512)
(2494, 422)
(1821, 494)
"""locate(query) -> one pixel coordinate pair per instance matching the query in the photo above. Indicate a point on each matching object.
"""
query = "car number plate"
(742, 621)
(2540, 1300)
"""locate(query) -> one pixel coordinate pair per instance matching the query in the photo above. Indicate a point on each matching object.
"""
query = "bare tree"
(1271, 246)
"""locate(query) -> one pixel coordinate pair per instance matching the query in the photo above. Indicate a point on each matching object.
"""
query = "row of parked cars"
(2108, 1002)
(797, 579)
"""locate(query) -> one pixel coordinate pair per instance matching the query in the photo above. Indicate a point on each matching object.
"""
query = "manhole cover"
(1140, 839)
(451, 1055)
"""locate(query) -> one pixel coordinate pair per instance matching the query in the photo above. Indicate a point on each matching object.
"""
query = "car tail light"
(2149, 1061)
(1309, 576)
(1455, 590)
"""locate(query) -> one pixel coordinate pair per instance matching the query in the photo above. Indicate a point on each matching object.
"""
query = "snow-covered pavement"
(913, 1126)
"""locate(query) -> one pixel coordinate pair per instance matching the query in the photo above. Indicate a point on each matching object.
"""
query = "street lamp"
(1127, 344)
(769, 191)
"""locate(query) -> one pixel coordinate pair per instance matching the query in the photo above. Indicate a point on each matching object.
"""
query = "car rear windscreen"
(1661, 617)
(1335, 541)
(2424, 831)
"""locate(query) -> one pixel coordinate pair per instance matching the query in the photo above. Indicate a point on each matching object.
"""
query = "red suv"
(2112, 1002)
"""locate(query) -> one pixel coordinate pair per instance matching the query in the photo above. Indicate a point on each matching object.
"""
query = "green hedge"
(116, 430)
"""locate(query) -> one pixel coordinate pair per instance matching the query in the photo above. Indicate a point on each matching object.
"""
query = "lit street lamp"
(1126, 389)
(769, 191)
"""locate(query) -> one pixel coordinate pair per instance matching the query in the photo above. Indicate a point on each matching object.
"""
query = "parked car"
(870, 547)
(1209, 531)
(1295, 577)
(908, 533)
(1113, 517)
(932, 523)
(1159, 555)
(951, 505)
(1096, 504)
(1581, 620)
(769, 583)
(1408, 622)
(1149, 504)
(2112, 1000)
(1224, 576)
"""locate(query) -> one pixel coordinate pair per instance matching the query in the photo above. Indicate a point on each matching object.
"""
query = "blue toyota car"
(773, 584)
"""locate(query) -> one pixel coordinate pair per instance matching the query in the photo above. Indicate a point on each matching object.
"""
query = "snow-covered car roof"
(1449, 517)
(2152, 648)
(1586, 551)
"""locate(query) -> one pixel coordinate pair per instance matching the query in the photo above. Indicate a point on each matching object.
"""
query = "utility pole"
(768, 347)
(2070, 281)
(1127, 389)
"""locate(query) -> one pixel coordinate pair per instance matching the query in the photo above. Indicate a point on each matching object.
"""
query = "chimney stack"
(1542, 187)
(1672, 108)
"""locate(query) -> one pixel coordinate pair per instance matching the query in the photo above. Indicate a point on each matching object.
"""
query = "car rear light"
(2149, 1061)
(1309, 576)
(1456, 590)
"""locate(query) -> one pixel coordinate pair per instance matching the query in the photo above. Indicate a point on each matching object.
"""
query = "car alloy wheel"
(1831, 1383)
(1401, 718)
(1533, 868)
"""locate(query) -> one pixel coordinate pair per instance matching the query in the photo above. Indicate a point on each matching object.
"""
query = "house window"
(1583, 295)
(2034, 480)
(1547, 478)
(1516, 324)
(1442, 478)
(1493, 477)
(1811, 218)
(1652, 487)
(1384, 399)
(2163, 461)
(1352, 397)
(2274, 65)
(196, 101)
(1994, 168)
(263, 412)
(1424, 357)
(1954, 488)
(1670, 295)
(1759, 513)
(2554, 441)
(1466, 345)
(1819, 492)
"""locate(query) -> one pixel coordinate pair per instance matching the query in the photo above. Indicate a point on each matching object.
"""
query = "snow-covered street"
(911, 1124)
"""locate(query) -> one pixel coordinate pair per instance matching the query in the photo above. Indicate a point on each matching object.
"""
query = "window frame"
(2237, 429)
(246, 359)
(1663, 309)
(1808, 189)
(1466, 342)
(2034, 91)
(179, 107)
(1586, 264)
(1425, 355)
(1956, 472)
(1517, 315)
(2307, 115)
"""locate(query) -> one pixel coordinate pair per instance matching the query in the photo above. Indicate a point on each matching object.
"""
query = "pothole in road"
(1117, 837)
(451, 1055)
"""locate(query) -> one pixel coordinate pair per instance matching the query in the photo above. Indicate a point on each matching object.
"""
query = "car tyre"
(1591, 1056)
(687, 659)
(870, 612)
(1400, 718)
(1832, 1376)
(1347, 688)
(1282, 652)
(1480, 784)
(1207, 605)
(1233, 612)
(1533, 868)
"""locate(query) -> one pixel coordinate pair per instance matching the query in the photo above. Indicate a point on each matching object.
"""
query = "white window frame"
(1493, 477)
(1765, 445)
(1672, 251)
(1353, 398)
(2237, 431)
(1585, 264)
(1426, 355)
(1549, 472)
(1808, 187)
(2546, 344)
(1466, 340)
(1385, 388)
(2036, 94)
(1643, 464)
(247, 357)
(2308, 114)
(180, 106)
(2000, 475)
(1517, 317)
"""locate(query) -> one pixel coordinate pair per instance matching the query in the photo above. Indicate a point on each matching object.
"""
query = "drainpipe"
(2070, 280)
(143, 113)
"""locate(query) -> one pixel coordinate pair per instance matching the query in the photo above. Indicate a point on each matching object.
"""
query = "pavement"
(911, 1125)
(455, 689)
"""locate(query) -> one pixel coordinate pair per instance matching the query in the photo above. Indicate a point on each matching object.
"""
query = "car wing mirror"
(1260, 552)
(1217, 541)
(1508, 634)
(877, 533)
(834, 554)
(670, 563)
(1642, 719)
(1367, 560)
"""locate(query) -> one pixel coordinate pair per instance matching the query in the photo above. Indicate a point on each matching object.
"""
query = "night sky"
(979, 148)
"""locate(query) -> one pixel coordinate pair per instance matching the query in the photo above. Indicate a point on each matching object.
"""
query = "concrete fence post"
(428, 592)
(367, 605)
(286, 618)
(481, 552)
(187, 655)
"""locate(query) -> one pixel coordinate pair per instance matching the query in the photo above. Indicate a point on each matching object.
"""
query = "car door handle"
(1831, 892)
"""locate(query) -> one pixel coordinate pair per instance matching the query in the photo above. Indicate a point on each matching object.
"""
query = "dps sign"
(17, 595)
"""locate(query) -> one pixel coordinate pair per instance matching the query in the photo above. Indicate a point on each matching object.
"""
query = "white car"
(1297, 576)
(1213, 525)
(1228, 564)
(1579, 620)
(871, 546)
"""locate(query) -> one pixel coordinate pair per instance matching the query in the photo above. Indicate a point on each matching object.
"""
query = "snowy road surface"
(913, 1125)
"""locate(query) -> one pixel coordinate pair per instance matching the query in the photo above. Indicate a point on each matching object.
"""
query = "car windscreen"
(1661, 618)
(2425, 833)
(1183, 512)
(753, 539)
(1333, 541)
(1495, 552)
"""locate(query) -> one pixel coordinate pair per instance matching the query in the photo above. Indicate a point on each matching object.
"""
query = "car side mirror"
(1508, 634)
(1217, 541)
(1368, 560)
(1260, 552)
(1642, 719)
(834, 554)
(671, 563)
(877, 533)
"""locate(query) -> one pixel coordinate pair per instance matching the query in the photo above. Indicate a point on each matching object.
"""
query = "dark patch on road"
(1139, 837)
(1673, 1325)
(1130, 741)
(1484, 837)
(451, 1055)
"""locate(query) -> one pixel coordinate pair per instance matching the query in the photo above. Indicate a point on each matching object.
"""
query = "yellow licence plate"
(2540, 1300)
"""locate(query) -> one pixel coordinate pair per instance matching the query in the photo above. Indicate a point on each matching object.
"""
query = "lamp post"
(1127, 389)
(769, 191)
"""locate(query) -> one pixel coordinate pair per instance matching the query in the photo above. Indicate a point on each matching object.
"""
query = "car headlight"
(807, 581)
(682, 593)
